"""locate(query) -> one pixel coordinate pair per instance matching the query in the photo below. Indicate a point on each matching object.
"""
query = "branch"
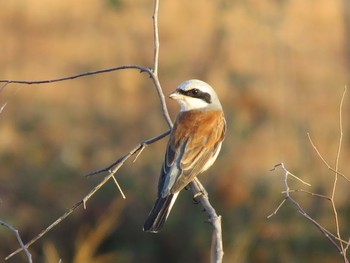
(196, 186)
(15, 231)
(85, 74)
(343, 251)
(324, 161)
(116, 166)
(336, 173)
(156, 37)
(149, 71)
(201, 194)
(142, 145)
(336, 239)
(331, 237)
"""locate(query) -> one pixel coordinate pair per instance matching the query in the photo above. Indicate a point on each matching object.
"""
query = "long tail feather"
(159, 213)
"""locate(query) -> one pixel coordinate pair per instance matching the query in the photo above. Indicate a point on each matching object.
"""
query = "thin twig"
(337, 225)
(336, 239)
(3, 86)
(308, 192)
(277, 209)
(141, 146)
(85, 74)
(3, 107)
(156, 37)
(1, 89)
(297, 178)
(15, 231)
(119, 188)
(324, 161)
(150, 72)
(343, 249)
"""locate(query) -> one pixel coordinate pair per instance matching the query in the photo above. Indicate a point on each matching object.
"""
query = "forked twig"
(331, 237)
(336, 239)
(335, 181)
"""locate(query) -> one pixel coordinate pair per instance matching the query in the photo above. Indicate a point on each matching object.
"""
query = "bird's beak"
(174, 95)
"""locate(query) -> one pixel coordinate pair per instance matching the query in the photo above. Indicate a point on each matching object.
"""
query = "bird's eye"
(194, 91)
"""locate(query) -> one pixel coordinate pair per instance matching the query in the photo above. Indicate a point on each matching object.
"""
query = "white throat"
(189, 103)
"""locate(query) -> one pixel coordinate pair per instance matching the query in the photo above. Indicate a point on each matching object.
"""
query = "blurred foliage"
(279, 68)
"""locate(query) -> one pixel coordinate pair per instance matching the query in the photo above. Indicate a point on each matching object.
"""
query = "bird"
(194, 144)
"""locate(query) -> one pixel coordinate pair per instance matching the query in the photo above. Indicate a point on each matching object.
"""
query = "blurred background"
(279, 67)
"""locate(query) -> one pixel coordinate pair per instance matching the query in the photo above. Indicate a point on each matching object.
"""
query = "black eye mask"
(196, 93)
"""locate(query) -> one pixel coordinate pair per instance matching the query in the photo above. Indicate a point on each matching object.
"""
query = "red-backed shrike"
(193, 146)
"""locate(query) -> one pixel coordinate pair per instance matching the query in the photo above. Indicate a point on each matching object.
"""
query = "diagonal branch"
(112, 170)
(324, 161)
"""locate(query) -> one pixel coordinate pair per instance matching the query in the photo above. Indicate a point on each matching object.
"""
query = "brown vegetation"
(279, 68)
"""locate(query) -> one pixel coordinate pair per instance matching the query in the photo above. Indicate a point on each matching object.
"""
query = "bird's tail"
(159, 213)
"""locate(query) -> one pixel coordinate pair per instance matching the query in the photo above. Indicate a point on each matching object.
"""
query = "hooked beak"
(174, 95)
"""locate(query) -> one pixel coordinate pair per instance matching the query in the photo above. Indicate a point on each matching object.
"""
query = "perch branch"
(156, 37)
(201, 194)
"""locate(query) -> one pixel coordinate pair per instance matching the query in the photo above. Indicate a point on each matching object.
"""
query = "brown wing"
(193, 142)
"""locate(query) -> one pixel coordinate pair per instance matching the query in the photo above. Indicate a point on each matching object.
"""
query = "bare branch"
(15, 231)
(324, 231)
(201, 194)
(324, 161)
(336, 173)
(277, 209)
(297, 178)
(3, 107)
(152, 75)
(118, 186)
(156, 37)
(112, 170)
(337, 225)
(197, 188)
(308, 192)
(141, 146)
(80, 75)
